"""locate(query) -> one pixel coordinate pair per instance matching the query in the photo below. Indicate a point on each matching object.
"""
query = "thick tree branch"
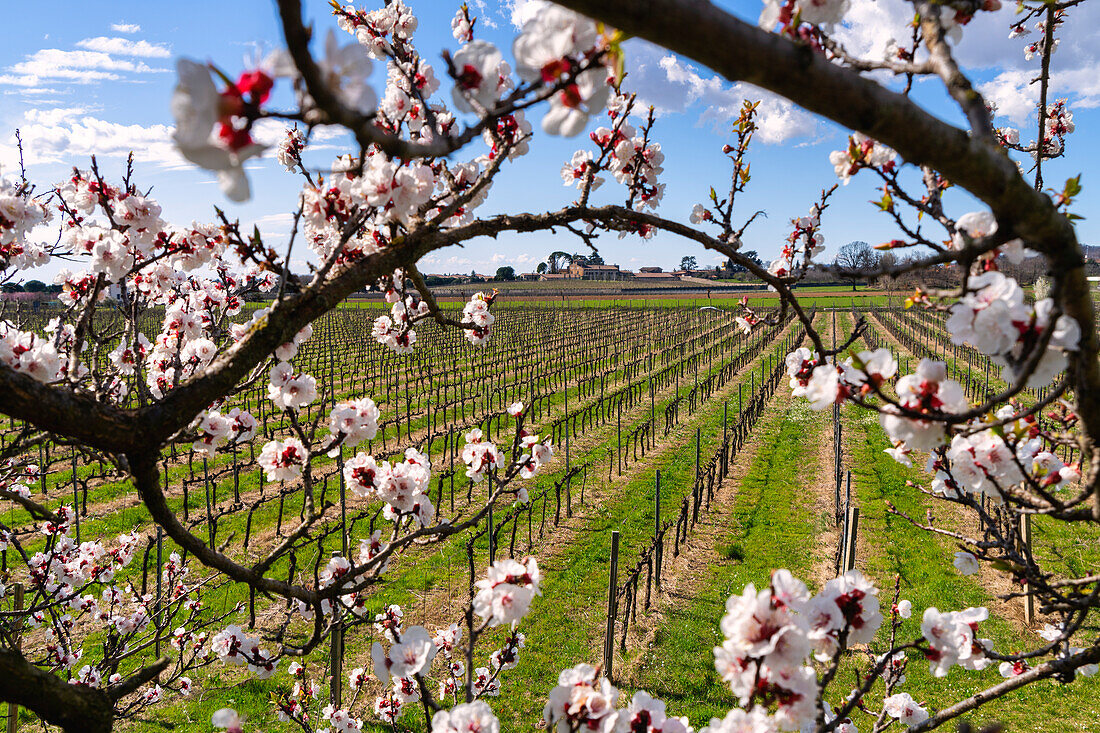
(75, 708)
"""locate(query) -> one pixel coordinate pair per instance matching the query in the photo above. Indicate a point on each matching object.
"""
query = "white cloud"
(32, 91)
(869, 25)
(71, 76)
(985, 47)
(54, 116)
(275, 224)
(1082, 83)
(275, 229)
(1013, 94)
(484, 15)
(674, 86)
(523, 10)
(67, 135)
(125, 47)
(78, 67)
(501, 258)
(125, 27)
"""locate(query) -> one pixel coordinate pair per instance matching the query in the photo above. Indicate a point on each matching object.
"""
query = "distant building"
(577, 271)
(703, 274)
(1092, 251)
(656, 276)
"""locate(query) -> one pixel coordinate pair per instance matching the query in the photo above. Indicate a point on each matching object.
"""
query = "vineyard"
(682, 471)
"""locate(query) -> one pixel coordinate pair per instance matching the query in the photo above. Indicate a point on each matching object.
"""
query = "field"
(596, 294)
(749, 481)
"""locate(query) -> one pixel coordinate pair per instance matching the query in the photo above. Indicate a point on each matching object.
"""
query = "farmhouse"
(577, 271)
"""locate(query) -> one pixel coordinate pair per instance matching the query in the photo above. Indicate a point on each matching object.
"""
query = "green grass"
(889, 545)
(445, 566)
(772, 524)
(776, 531)
(566, 627)
(773, 528)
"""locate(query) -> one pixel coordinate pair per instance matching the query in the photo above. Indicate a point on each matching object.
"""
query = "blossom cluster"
(803, 244)
(234, 646)
(504, 596)
(480, 456)
(994, 318)
(402, 485)
(584, 700)
(237, 426)
(395, 330)
(19, 215)
(770, 634)
(477, 319)
(862, 152)
(355, 420)
(28, 353)
(288, 390)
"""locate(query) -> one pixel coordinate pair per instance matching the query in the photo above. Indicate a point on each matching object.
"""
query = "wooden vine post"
(1025, 547)
(659, 549)
(851, 528)
(612, 587)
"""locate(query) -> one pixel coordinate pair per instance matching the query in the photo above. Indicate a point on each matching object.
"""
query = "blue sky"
(78, 78)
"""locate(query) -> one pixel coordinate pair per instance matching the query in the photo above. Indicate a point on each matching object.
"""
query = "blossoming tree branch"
(159, 363)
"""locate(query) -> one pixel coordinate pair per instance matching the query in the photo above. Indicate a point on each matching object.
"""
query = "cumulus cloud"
(521, 11)
(125, 27)
(870, 25)
(1013, 94)
(54, 116)
(1073, 69)
(68, 135)
(997, 63)
(125, 47)
(672, 85)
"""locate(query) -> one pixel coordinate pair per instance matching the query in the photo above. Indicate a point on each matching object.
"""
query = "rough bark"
(73, 708)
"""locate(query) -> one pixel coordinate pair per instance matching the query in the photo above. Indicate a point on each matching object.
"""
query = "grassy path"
(770, 525)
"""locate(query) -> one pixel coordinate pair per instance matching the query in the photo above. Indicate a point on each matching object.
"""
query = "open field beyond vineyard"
(750, 480)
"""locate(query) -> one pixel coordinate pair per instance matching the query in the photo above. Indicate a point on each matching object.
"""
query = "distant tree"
(688, 263)
(735, 268)
(887, 260)
(854, 258)
(558, 261)
(506, 273)
(596, 259)
(440, 280)
(34, 286)
(11, 288)
(542, 268)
